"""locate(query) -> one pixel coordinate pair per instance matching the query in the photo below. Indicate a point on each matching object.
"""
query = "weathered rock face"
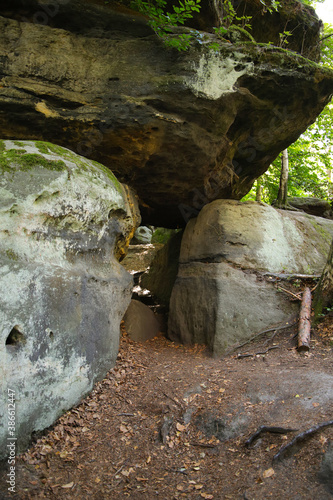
(221, 296)
(140, 322)
(63, 293)
(142, 236)
(312, 206)
(161, 275)
(183, 129)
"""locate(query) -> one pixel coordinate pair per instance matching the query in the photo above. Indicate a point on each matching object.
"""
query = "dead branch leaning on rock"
(289, 292)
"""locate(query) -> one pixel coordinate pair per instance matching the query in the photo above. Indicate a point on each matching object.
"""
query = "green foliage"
(311, 156)
(162, 235)
(310, 164)
(162, 21)
(284, 38)
(273, 6)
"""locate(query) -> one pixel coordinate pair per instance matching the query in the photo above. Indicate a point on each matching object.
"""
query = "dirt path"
(170, 422)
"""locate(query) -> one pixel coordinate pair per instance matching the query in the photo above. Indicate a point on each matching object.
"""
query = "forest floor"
(171, 422)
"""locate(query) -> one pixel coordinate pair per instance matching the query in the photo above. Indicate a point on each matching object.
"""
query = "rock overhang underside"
(182, 129)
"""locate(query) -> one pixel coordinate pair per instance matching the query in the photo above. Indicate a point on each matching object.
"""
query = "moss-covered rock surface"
(64, 221)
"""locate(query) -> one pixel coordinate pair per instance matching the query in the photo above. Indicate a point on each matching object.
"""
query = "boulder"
(181, 128)
(312, 206)
(63, 221)
(142, 236)
(140, 322)
(222, 295)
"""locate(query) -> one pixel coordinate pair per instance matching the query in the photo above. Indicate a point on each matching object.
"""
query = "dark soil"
(171, 422)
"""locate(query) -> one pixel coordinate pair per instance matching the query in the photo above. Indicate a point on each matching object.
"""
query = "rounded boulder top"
(52, 197)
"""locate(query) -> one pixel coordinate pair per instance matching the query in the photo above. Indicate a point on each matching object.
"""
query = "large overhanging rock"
(63, 219)
(222, 295)
(181, 128)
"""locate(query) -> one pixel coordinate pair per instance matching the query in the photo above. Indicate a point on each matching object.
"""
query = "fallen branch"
(284, 276)
(299, 438)
(265, 428)
(172, 399)
(245, 355)
(203, 445)
(304, 328)
(290, 293)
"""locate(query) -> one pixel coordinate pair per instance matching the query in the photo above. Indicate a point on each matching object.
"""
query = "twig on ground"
(290, 293)
(271, 338)
(203, 445)
(265, 428)
(299, 438)
(121, 468)
(246, 355)
(172, 399)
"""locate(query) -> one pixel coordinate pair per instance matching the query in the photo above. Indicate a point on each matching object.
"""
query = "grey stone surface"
(139, 257)
(312, 206)
(140, 322)
(142, 236)
(326, 470)
(63, 292)
(162, 272)
(221, 296)
(257, 236)
(218, 305)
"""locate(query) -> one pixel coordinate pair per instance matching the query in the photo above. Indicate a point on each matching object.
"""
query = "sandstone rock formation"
(221, 296)
(161, 275)
(140, 322)
(312, 206)
(63, 219)
(183, 129)
(142, 236)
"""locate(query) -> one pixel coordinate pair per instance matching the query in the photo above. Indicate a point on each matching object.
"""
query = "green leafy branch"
(162, 21)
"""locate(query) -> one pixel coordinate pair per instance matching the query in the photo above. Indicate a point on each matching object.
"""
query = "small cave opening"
(16, 338)
(50, 333)
(153, 263)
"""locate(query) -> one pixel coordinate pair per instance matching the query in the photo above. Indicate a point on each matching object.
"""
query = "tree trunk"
(324, 293)
(304, 327)
(282, 199)
(258, 189)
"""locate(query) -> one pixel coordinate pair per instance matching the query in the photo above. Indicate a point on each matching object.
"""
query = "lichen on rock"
(64, 222)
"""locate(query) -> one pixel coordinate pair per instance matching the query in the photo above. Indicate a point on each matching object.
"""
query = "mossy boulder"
(64, 222)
